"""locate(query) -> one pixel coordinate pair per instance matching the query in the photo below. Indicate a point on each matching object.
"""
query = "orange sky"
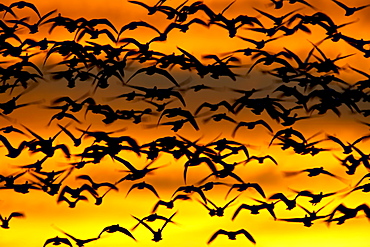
(193, 225)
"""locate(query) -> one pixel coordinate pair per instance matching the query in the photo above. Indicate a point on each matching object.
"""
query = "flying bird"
(24, 4)
(350, 10)
(157, 235)
(244, 186)
(141, 186)
(151, 70)
(261, 159)
(251, 125)
(117, 228)
(79, 242)
(5, 220)
(232, 235)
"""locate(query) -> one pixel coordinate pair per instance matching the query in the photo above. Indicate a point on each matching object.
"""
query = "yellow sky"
(193, 225)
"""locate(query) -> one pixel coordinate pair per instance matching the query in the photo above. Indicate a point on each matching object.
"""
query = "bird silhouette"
(57, 241)
(71, 204)
(5, 220)
(290, 203)
(315, 198)
(261, 159)
(277, 20)
(348, 213)
(170, 204)
(151, 9)
(7, 9)
(256, 208)
(218, 117)
(191, 189)
(214, 107)
(134, 174)
(259, 43)
(95, 185)
(196, 161)
(365, 187)
(312, 172)
(79, 242)
(308, 218)
(77, 141)
(10, 129)
(33, 28)
(10, 179)
(217, 211)
(251, 125)
(13, 152)
(350, 10)
(173, 112)
(151, 70)
(232, 235)
(157, 235)
(117, 228)
(11, 105)
(46, 145)
(24, 4)
(244, 186)
(347, 149)
(143, 185)
(151, 218)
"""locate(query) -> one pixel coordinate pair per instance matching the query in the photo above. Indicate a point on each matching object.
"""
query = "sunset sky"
(193, 226)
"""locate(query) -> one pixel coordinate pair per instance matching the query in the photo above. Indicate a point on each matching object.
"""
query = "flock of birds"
(308, 87)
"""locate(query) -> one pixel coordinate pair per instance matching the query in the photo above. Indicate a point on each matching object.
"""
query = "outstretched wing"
(216, 234)
(247, 234)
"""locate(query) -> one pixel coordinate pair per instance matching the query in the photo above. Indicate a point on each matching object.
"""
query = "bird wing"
(263, 122)
(216, 234)
(247, 234)
(16, 214)
(127, 232)
(125, 163)
(243, 206)
(341, 4)
(166, 74)
(271, 158)
(258, 188)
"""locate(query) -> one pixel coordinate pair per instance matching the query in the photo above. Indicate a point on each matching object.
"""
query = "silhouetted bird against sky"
(57, 241)
(244, 186)
(232, 235)
(308, 218)
(261, 159)
(251, 125)
(24, 4)
(96, 185)
(134, 174)
(314, 172)
(170, 204)
(33, 28)
(216, 210)
(12, 151)
(315, 198)
(5, 220)
(141, 186)
(117, 228)
(347, 213)
(79, 242)
(255, 208)
(157, 235)
(350, 10)
(173, 112)
(290, 203)
(151, 218)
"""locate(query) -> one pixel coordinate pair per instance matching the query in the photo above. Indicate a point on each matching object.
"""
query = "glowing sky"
(193, 225)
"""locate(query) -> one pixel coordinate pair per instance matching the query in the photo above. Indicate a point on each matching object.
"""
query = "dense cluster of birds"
(307, 87)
